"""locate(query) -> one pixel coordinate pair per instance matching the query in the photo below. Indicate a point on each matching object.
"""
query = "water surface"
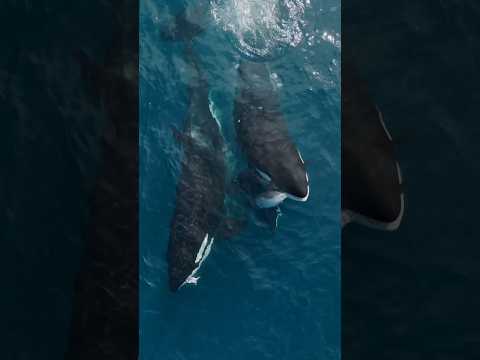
(260, 295)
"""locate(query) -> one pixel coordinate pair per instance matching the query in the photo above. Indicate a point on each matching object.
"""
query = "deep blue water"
(260, 295)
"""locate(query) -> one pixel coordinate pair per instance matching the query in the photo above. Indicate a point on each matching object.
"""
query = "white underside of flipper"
(202, 254)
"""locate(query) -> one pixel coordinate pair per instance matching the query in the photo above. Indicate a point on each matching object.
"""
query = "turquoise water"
(260, 295)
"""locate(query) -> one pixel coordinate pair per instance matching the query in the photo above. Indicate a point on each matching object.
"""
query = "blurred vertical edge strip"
(104, 321)
(413, 293)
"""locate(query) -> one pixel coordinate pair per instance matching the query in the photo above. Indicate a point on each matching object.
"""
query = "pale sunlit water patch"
(332, 38)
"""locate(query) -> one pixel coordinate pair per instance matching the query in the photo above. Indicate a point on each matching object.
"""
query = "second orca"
(199, 208)
(262, 133)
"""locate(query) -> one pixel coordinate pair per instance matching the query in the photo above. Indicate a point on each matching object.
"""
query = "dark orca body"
(263, 136)
(200, 190)
(372, 192)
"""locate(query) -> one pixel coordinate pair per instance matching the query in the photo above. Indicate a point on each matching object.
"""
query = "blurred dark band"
(105, 311)
(69, 179)
(413, 293)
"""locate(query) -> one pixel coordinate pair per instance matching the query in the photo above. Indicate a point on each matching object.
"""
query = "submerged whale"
(200, 194)
(263, 136)
(372, 193)
(187, 23)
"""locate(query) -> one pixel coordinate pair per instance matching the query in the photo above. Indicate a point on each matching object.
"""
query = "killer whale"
(372, 193)
(264, 138)
(200, 209)
(200, 194)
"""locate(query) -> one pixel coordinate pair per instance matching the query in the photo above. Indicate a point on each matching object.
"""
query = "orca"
(372, 193)
(200, 210)
(264, 138)
(200, 192)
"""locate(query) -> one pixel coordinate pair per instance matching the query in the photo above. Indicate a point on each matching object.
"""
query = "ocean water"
(261, 295)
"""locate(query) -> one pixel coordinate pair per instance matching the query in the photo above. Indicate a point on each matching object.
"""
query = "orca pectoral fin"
(231, 227)
(268, 217)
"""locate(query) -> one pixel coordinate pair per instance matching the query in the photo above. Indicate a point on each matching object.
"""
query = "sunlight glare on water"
(261, 28)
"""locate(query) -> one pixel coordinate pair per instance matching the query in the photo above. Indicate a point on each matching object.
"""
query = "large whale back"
(200, 188)
(197, 216)
(263, 134)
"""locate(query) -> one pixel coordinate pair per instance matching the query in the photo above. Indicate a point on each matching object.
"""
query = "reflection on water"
(261, 28)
